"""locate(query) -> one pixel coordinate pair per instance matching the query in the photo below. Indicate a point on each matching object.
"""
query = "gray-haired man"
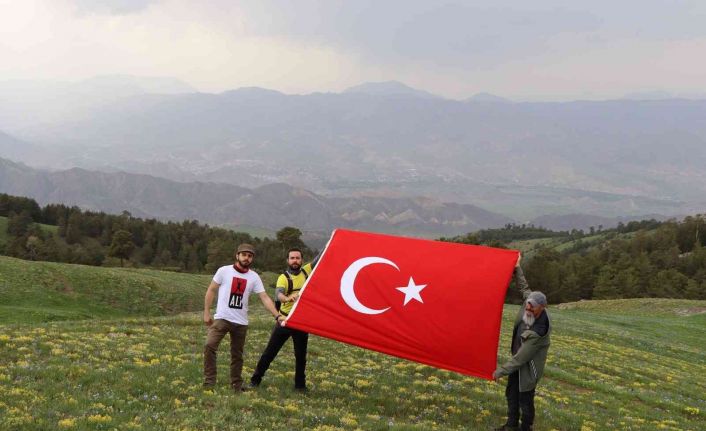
(530, 343)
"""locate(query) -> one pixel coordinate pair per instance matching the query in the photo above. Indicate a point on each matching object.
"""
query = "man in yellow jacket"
(288, 286)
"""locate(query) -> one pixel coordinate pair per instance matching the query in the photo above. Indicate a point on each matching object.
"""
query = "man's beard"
(528, 318)
(244, 263)
(295, 267)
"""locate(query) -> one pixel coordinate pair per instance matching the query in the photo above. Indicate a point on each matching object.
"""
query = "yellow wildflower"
(67, 423)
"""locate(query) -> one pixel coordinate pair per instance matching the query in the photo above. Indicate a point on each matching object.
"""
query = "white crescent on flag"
(348, 280)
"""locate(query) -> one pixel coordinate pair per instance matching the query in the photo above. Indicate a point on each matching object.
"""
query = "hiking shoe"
(507, 427)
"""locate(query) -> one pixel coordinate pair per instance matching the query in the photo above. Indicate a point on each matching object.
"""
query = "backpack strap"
(290, 283)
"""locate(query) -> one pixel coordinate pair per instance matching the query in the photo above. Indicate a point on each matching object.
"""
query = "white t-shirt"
(234, 291)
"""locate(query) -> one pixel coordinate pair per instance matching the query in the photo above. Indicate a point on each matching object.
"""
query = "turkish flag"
(433, 302)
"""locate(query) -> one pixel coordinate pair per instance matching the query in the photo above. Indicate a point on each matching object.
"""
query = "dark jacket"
(530, 357)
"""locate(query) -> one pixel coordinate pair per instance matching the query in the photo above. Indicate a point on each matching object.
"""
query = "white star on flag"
(411, 291)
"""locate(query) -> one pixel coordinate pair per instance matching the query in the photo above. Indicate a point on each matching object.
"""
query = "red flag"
(433, 302)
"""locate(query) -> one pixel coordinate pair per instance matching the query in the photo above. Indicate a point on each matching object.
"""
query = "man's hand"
(496, 375)
(519, 258)
(211, 293)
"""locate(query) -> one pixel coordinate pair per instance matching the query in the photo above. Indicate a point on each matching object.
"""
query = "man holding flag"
(530, 343)
(289, 285)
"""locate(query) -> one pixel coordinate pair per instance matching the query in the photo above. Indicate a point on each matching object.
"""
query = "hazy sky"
(518, 49)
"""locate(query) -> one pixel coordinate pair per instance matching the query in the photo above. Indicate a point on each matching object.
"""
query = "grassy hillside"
(562, 244)
(46, 291)
(632, 365)
(529, 246)
(42, 291)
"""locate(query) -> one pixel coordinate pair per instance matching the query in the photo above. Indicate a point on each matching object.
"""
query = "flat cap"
(245, 247)
(537, 298)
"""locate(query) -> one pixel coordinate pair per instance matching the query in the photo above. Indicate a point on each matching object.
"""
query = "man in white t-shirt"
(233, 285)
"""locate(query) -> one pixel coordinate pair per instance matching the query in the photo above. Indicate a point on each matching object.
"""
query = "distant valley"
(606, 160)
(271, 206)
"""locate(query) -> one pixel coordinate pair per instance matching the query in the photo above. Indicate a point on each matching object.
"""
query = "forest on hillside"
(97, 238)
(645, 258)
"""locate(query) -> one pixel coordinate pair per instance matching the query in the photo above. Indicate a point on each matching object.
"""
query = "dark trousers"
(277, 339)
(517, 401)
(216, 332)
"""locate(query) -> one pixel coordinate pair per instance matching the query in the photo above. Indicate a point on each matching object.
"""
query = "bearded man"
(232, 285)
(289, 285)
(530, 343)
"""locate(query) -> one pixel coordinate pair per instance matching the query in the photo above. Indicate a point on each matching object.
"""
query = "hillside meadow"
(107, 348)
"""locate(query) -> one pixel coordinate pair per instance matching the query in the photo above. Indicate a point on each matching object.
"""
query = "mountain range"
(620, 158)
(271, 206)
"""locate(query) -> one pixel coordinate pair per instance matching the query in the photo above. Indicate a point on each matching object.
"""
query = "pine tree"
(73, 228)
(220, 252)
(122, 245)
(18, 224)
(290, 237)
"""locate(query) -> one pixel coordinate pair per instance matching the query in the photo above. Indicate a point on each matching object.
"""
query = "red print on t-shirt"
(237, 291)
(238, 286)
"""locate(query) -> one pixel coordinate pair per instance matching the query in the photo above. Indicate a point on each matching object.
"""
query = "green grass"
(46, 291)
(529, 247)
(639, 306)
(43, 291)
(626, 364)
(49, 228)
(561, 244)
(591, 240)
